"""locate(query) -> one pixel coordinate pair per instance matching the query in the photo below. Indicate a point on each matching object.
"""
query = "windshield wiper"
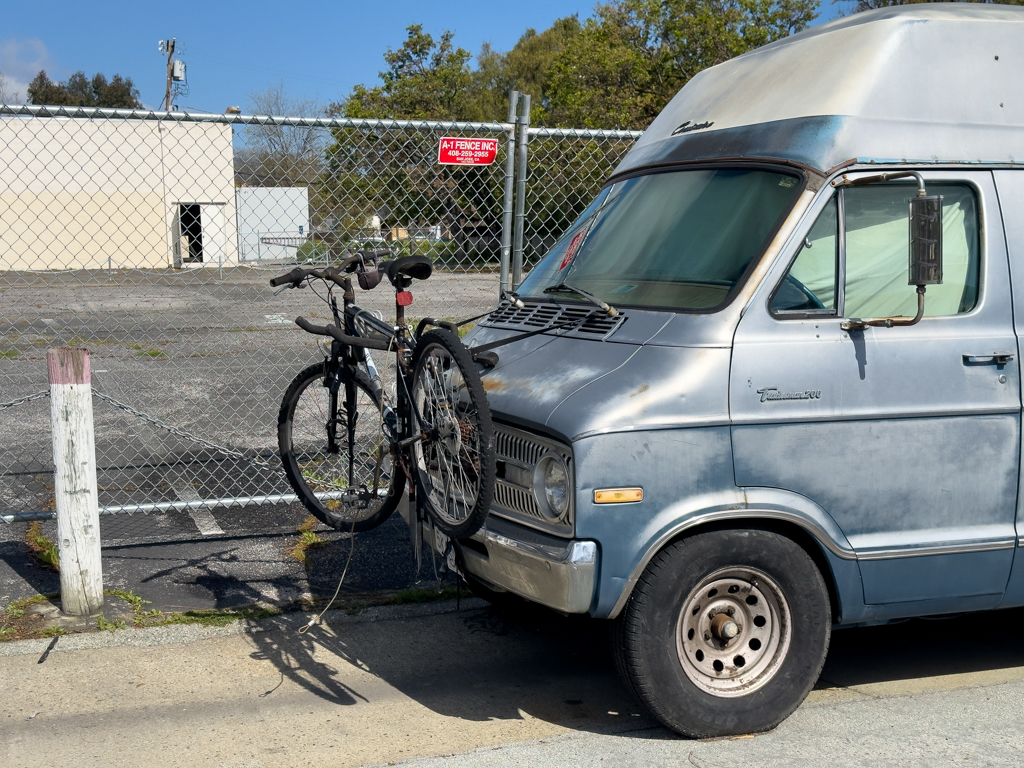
(566, 288)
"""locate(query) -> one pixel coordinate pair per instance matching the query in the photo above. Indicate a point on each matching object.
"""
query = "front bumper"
(558, 573)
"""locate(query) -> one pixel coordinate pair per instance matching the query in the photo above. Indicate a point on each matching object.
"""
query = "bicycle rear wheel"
(340, 493)
(454, 463)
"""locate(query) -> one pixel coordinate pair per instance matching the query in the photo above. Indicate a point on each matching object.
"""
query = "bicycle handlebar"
(334, 332)
(334, 274)
(357, 341)
(295, 276)
(299, 274)
(308, 327)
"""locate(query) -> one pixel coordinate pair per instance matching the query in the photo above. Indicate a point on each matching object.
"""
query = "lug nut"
(724, 627)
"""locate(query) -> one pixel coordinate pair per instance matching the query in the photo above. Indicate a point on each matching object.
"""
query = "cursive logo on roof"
(688, 126)
(769, 394)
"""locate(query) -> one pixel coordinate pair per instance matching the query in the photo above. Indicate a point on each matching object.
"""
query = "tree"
(281, 155)
(525, 68)
(425, 79)
(7, 95)
(80, 91)
(634, 55)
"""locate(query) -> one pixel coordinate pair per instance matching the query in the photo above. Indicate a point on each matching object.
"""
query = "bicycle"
(350, 448)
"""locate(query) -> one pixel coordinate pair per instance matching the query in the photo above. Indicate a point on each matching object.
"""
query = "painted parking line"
(203, 518)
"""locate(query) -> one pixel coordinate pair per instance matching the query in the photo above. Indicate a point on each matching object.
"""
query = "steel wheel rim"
(326, 474)
(727, 666)
(449, 460)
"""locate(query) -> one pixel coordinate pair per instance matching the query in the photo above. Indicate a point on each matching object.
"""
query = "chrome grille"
(517, 447)
(522, 450)
(534, 316)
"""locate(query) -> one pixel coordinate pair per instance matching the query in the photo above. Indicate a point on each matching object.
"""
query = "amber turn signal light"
(618, 495)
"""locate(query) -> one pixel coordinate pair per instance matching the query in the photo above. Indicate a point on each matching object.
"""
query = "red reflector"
(404, 298)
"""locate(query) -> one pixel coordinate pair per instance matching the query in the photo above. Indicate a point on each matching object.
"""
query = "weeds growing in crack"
(43, 549)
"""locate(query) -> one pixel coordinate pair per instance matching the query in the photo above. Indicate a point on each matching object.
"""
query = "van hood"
(665, 371)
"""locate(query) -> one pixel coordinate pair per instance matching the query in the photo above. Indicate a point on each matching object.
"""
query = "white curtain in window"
(877, 247)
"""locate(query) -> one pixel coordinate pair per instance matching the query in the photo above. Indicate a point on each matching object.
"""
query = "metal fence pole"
(517, 246)
(510, 169)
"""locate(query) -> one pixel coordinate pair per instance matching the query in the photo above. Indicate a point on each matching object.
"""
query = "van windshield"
(677, 240)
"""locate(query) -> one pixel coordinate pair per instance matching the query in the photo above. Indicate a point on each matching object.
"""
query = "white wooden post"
(74, 460)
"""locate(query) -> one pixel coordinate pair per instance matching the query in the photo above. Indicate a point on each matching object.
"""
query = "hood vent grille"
(535, 316)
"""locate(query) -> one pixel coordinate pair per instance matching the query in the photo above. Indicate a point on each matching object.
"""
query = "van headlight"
(551, 487)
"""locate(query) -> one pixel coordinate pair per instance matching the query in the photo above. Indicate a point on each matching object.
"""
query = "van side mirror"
(925, 246)
(926, 240)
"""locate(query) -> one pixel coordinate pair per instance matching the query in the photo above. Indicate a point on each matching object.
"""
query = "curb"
(184, 634)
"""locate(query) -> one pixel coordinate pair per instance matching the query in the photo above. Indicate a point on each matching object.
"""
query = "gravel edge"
(184, 634)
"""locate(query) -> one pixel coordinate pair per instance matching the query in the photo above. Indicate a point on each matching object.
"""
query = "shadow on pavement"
(294, 657)
(22, 573)
(512, 663)
(213, 574)
(493, 663)
(920, 648)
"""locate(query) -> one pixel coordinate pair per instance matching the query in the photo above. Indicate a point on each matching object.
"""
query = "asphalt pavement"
(187, 570)
(209, 355)
(432, 686)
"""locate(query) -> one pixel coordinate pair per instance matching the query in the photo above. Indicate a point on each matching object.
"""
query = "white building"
(113, 193)
(272, 222)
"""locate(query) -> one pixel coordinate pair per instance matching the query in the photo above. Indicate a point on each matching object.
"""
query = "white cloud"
(20, 61)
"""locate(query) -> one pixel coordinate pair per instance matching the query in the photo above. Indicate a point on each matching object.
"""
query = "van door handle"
(996, 358)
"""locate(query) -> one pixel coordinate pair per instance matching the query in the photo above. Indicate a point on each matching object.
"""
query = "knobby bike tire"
(454, 463)
(320, 477)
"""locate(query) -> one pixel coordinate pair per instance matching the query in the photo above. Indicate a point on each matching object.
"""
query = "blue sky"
(319, 50)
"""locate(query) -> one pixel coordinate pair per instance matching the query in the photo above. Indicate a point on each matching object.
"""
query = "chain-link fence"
(566, 168)
(149, 239)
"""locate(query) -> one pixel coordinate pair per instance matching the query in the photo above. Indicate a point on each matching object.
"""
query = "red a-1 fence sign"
(456, 151)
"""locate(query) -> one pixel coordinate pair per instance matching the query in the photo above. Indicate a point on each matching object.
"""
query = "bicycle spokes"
(451, 449)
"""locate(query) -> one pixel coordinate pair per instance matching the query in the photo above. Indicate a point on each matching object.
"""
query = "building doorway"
(191, 237)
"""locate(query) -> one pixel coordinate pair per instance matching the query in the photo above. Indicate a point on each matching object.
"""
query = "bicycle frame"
(344, 360)
(463, 476)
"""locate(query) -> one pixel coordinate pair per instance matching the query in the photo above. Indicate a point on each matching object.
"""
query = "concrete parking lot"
(429, 686)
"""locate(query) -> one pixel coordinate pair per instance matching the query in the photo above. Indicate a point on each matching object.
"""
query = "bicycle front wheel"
(455, 461)
(342, 481)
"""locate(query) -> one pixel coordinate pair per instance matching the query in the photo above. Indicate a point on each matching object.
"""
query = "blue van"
(779, 387)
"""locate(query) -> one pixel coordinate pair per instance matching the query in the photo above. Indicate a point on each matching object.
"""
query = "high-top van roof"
(928, 83)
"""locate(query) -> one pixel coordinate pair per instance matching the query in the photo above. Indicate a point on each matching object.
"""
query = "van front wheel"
(725, 633)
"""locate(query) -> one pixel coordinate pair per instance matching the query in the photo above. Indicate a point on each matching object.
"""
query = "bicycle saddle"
(418, 267)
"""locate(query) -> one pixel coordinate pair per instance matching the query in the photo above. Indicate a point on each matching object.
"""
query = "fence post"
(74, 460)
(517, 246)
(510, 169)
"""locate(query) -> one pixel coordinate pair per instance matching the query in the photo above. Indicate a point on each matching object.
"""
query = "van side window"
(876, 252)
(810, 285)
(871, 249)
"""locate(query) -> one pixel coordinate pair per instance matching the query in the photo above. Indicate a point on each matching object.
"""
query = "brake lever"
(290, 285)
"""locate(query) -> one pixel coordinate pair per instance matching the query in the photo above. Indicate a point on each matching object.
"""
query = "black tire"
(454, 464)
(312, 468)
(667, 668)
